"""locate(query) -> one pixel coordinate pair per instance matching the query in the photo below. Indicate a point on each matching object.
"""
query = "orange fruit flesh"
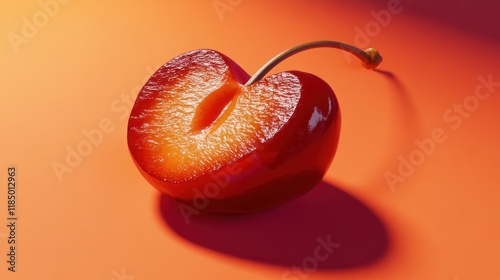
(194, 117)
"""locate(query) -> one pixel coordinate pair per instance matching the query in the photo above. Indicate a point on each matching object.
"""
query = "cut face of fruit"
(203, 118)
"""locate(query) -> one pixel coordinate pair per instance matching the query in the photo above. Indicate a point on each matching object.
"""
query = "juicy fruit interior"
(215, 107)
(194, 116)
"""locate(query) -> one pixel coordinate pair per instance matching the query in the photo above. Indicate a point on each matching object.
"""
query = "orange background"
(85, 62)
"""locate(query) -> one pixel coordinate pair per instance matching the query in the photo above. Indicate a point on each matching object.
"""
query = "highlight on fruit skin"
(204, 132)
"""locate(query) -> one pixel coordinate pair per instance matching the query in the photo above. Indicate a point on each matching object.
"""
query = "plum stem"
(370, 58)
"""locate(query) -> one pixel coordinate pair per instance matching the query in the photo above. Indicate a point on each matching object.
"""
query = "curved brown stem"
(370, 58)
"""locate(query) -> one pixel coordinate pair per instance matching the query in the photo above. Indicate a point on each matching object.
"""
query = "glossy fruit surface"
(199, 135)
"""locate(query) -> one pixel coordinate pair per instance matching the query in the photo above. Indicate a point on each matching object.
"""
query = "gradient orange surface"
(80, 67)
